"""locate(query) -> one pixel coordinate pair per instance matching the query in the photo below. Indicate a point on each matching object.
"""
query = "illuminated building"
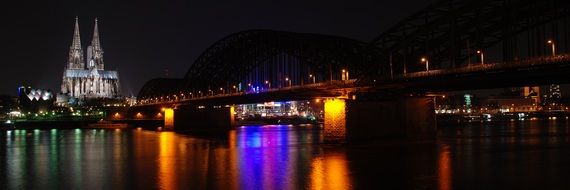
(91, 80)
(301, 109)
(532, 93)
(552, 95)
(34, 100)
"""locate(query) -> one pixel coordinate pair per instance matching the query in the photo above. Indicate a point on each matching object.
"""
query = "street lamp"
(344, 74)
(553, 47)
(288, 81)
(482, 56)
(311, 76)
(425, 60)
(268, 84)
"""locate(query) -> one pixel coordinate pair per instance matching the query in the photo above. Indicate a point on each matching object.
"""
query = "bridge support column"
(169, 118)
(353, 120)
(335, 120)
(205, 119)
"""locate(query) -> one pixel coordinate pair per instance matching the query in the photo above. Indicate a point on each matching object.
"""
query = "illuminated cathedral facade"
(86, 77)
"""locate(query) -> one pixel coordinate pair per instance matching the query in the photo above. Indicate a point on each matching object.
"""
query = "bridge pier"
(354, 120)
(206, 119)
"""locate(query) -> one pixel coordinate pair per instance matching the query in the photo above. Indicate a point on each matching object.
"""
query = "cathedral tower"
(76, 60)
(95, 52)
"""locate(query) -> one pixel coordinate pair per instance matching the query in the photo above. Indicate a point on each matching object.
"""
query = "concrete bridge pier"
(356, 120)
(204, 119)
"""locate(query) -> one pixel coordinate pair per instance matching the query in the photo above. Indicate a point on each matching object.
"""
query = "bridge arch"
(256, 56)
(160, 88)
(268, 59)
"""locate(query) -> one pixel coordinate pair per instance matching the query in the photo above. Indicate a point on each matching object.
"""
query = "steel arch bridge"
(448, 33)
(259, 55)
(265, 58)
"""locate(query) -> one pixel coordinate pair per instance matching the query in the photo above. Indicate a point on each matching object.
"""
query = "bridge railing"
(544, 60)
(319, 85)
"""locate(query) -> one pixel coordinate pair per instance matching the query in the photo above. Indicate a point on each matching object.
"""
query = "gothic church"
(92, 80)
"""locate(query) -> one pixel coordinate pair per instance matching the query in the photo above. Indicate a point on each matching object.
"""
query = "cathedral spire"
(94, 51)
(76, 60)
(76, 44)
(95, 42)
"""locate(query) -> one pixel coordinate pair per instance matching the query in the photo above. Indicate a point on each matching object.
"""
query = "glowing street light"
(553, 47)
(425, 60)
(287, 80)
(482, 56)
(344, 75)
(268, 84)
(311, 76)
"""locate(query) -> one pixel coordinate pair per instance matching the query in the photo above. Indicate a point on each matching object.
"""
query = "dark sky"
(144, 38)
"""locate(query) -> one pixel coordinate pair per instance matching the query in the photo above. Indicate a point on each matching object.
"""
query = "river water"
(502, 155)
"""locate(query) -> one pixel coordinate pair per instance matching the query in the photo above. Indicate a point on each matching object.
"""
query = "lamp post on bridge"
(344, 74)
(553, 47)
(288, 81)
(482, 56)
(268, 84)
(311, 76)
(425, 60)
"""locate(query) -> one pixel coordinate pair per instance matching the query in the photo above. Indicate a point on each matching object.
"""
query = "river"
(499, 155)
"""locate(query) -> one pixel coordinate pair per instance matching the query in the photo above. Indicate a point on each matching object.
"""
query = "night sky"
(143, 39)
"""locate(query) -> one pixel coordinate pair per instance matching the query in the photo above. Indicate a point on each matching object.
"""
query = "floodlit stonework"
(87, 78)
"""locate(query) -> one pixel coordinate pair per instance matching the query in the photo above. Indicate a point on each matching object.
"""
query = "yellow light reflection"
(335, 120)
(330, 173)
(166, 167)
(232, 115)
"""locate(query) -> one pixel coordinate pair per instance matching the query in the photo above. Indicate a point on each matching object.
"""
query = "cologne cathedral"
(91, 80)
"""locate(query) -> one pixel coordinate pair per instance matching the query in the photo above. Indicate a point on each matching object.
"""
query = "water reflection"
(330, 172)
(514, 155)
(166, 160)
(444, 168)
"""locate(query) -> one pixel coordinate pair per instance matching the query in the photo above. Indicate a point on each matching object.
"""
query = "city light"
(426, 61)
(552, 46)
(288, 81)
(482, 56)
(311, 76)
(344, 74)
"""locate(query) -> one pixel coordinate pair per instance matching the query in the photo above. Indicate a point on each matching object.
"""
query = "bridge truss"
(448, 33)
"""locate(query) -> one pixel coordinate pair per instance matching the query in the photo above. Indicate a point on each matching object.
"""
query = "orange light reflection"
(330, 172)
(166, 167)
(444, 169)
